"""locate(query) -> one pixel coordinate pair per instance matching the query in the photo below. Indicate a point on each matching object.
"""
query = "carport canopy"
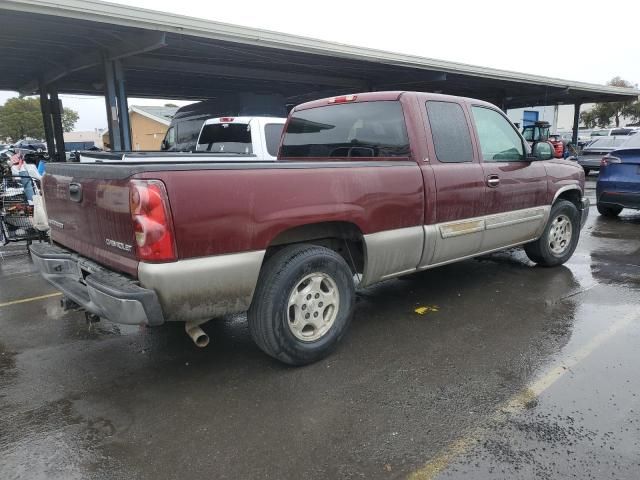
(96, 48)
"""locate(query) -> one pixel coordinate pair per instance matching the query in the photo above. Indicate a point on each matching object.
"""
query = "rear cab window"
(499, 140)
(373, 129)
(225, 138)
(272, 135)
(450, 132)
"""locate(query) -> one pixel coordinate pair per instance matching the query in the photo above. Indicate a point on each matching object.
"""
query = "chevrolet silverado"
(366, 187)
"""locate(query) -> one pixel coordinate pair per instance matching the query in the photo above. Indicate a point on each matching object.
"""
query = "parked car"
(30, 144)
(589, 158)
(186, 124)
(231, 139)
(618, 185)
(608, 132)
(369, 187)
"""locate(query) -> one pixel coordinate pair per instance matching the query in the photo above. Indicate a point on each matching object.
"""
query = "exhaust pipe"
(199, 337)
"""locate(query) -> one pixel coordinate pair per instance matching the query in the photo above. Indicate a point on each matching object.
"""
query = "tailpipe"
(199, 337)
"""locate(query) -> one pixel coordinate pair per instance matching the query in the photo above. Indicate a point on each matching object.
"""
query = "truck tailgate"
(91, 216)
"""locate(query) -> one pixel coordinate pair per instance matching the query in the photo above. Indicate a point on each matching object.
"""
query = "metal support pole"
(123, 106)
(576, 123)
(556, 111)
(115, 139)
(45, 107)
(56, 116)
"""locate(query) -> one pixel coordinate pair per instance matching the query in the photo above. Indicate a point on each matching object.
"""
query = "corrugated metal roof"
(173, 56)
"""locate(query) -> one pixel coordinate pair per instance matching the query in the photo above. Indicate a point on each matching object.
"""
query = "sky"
(574, 40)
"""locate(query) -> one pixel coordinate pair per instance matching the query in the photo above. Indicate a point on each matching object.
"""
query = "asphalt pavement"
(511, 371)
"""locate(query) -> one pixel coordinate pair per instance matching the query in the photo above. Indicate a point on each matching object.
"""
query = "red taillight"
(608, 160)
(343, 99)
(226, 119)
(152, 224)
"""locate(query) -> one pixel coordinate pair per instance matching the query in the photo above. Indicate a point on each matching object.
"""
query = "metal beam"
(129, 45)
(56, 116)
(115, 139)
(123, 105)
(45, 107)
(227, 71)
(576, 123)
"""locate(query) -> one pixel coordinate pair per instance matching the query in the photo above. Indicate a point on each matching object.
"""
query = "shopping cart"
(16, 211)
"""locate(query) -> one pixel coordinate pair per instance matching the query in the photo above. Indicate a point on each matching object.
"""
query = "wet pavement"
(515, 372)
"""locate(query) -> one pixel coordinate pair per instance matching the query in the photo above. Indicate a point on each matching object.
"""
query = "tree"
(21, 117)
(69, 119)
(602, 114)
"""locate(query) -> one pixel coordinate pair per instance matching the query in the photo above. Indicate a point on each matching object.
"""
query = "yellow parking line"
(518, 402)
(30, 299)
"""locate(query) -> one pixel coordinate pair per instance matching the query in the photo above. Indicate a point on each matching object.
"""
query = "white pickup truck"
(223, 138)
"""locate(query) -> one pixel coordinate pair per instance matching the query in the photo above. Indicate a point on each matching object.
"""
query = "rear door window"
(272, 134)
(226, 138)
(367, 129)
(499, 141)
(450, 132)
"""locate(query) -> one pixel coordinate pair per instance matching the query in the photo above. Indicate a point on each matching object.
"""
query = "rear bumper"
(96, 289)
(620, 199)
(590, 162)
(584, 210)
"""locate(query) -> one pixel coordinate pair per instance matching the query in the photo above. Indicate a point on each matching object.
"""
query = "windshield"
(600, 133)
(528, 134)
(225, 138)
(632, 142)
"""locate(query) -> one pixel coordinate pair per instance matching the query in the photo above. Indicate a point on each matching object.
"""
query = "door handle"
(493, 181)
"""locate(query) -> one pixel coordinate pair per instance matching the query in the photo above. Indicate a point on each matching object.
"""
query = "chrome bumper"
(96, 289)
(584, 210)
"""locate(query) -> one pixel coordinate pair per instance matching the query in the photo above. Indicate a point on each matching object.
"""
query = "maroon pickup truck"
(366, 187)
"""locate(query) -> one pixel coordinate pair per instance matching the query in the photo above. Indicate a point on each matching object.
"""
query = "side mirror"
(542, 151)
(163, 145)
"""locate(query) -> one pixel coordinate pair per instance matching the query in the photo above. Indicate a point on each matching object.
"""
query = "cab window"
(499, 141)
(365, 129)
(450, 132)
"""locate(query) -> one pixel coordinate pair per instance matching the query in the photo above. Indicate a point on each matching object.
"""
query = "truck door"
(515, 188)
(456, 230)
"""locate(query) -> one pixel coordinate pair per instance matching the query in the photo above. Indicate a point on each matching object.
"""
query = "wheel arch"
(343, 237)
(572, 193)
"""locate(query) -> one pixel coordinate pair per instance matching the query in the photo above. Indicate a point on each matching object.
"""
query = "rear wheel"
(302, 305)
(560, 236)
(586, 170)
(608, 211)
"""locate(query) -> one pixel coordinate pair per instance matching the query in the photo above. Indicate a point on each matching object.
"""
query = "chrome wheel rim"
(313, 306)
(560, 235)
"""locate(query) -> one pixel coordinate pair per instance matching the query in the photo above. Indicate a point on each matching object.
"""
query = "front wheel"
(608, 211)
(302, 305)
(560, 236)
(586, 171)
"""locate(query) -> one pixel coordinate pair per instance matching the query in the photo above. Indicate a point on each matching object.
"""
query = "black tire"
(608, 211)
(586, 170)
(541, 251)
(269, 314)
